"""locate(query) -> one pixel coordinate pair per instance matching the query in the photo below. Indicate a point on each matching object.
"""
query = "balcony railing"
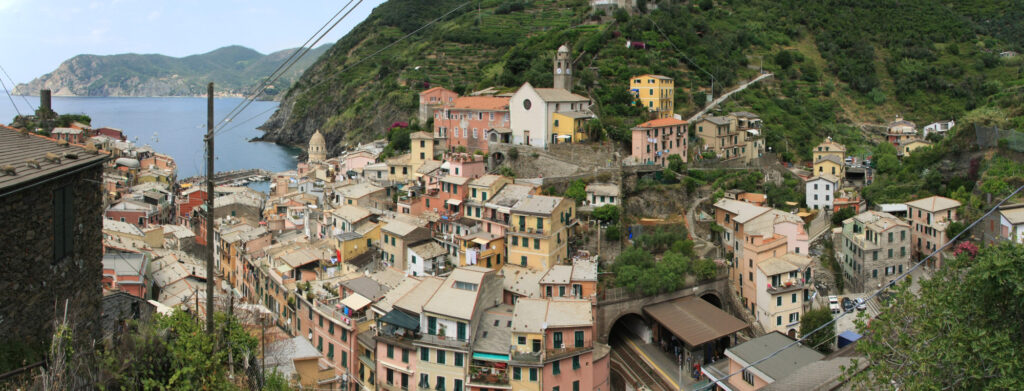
(528, 357)
(557, 353)
(488, 375)
(789, 285)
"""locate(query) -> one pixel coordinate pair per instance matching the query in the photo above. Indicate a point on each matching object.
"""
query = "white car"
(833, 304)
(861, 304)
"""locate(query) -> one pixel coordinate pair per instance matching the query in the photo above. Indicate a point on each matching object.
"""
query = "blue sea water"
(176, 126)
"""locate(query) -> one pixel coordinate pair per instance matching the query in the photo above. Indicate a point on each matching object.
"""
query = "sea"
(175, 126)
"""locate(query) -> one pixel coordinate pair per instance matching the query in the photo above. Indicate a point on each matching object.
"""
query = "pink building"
(558, 334)
(432, 99)
(465, 122)
(929, 218)
(355, 161)
(126, 272)
(465, 165)
(654, 141)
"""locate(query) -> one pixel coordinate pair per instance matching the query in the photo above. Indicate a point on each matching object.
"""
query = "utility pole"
(209, 209)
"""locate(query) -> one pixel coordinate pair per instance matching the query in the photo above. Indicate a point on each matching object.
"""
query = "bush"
(577, 191)
(705, 269)
(842, 215)
(821, 340)
(513, 153)
(607, 213)
(613, 232)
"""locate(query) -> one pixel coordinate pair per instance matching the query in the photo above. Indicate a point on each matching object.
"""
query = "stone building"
(317, 148)
(51, 203)
(874, 247)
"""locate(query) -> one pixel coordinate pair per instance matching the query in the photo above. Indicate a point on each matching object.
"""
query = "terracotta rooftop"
(655, 123)
(481, 103)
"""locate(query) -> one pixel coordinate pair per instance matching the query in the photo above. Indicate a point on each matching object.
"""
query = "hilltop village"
(483, 254)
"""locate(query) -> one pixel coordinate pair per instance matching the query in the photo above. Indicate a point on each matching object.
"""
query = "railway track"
(634, 369)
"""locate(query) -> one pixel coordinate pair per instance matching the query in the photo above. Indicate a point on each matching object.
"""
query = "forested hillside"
(841, 65)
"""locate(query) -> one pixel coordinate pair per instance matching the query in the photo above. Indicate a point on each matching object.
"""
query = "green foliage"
(65, 120)
(513, 153)
(961, 331)
(955, 228)
(821, 340)
(842, 215)
(660, 238)
(175, 352)
(791, 190)
(705, 269)
(577, 191)
(607, 213)
(784, 59)
(506, 171)
(675, 163)
(613, 232)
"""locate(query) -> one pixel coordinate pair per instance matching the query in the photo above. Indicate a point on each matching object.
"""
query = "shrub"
(607, 213)
(513, 153)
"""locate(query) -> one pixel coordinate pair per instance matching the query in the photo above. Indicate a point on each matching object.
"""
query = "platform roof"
(694, 320)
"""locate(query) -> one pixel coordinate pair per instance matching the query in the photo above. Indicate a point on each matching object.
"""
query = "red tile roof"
(661, 122)
(481, 103)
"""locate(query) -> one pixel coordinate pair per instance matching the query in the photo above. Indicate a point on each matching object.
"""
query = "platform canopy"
(694, 320)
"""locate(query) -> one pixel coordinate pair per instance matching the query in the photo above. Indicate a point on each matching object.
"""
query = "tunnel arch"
(713, 298)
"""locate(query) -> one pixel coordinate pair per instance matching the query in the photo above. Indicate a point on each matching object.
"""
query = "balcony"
(529, 231)
(786, 286)
(558, 353)
(488, 376)
(526, 358)
(449, 341)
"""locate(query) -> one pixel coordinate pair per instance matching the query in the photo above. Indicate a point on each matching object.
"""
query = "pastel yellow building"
(568, 126)
(421, 145)
(829, 164)
(907, 147)
(540, 231)
(655, 92)
(829, 147)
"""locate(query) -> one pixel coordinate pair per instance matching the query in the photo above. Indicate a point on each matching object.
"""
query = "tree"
(954, 229)
(784, 59)
(577, 190)
(842, 215)
(675, 163)
(607, 213)
(822, 340)
(961, 331)
(705, 269)
(885, 158)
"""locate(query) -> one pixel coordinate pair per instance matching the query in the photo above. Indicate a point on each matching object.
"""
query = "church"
(543, 116)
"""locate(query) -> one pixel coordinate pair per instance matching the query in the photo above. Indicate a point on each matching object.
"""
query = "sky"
(38, 35)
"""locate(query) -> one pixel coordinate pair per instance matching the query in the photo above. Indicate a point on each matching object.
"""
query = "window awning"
(355, 302)
(401, 319)
(490, 357)
(452, 201)
(694, 320)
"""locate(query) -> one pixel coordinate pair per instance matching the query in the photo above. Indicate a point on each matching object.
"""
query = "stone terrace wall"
(34, 287)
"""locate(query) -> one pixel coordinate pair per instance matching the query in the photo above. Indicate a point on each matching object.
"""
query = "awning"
(481, 241)
(694, 320)
(490, 357)
(401, 319)
(563, 136)
(355, 302)
(452, 201)
(446, 166)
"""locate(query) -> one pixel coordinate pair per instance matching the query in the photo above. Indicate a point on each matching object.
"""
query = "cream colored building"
(783, 287)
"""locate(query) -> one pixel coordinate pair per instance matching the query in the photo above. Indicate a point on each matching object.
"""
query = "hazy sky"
(37, 35)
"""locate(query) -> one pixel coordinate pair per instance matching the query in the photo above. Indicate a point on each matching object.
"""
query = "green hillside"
(234, 69)
(841, 65)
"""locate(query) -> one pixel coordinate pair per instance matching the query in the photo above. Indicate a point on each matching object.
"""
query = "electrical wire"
(10, 97)
(872, 296)
(285, 66)
(14, 85)
(364, 59)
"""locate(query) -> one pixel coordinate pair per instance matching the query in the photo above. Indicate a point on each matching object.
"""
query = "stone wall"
(35, 288)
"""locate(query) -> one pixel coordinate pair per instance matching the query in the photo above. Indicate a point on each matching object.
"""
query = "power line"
(285, 66)
(10, 97)
(14, 85)
(878, 292)
(360, 61)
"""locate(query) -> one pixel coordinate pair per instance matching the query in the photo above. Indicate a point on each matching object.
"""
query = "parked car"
(848, 304)
(861, 304)
(833, 304)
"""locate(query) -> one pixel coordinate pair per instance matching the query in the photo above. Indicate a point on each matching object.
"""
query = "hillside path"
(726, 95)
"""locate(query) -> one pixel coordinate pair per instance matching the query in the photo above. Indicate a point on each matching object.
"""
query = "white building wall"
(820, 194)
(595, 200)
(533, 121)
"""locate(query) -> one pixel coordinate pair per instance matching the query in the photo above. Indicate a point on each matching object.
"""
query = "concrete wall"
(612, 307)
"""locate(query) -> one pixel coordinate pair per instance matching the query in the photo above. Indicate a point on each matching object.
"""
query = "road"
(726, 95)
(691, 223)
